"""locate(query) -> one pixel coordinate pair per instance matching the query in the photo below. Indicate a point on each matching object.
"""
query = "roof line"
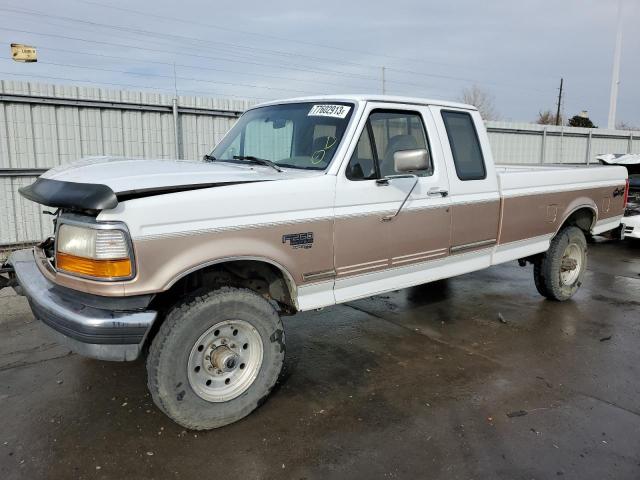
(371, 98)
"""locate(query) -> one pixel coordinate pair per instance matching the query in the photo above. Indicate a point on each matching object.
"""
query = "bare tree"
(547, 117)
(482, 100)
(626, 126)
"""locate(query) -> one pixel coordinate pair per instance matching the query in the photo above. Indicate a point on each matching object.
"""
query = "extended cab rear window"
(465, 146)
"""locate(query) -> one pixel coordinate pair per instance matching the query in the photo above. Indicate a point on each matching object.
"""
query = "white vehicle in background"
(632, 222)
(631, 219)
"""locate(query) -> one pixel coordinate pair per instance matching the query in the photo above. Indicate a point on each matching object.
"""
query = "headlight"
(91, 252)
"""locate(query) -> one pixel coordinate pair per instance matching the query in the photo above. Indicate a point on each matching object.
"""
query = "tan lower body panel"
(367, 244)
(361, 243)
(297, 248)
(536, 215)
(474, 226)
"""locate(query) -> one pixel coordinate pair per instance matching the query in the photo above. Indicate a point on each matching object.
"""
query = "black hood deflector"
(95, 196)
(72, 195)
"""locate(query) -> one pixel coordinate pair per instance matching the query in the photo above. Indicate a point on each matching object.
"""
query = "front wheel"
(559, 272)
(215, 358)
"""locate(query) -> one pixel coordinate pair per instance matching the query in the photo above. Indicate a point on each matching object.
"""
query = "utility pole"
(176, 134)
(384, 87)
(175, 80)
(615, 75)
(559, 103)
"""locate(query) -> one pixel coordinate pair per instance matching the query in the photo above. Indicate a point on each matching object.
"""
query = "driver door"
(374, 254)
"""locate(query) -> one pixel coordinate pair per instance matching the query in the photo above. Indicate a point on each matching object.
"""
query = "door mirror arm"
(388, 218)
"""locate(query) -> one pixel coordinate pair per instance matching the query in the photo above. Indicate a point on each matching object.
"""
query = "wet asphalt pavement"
(470, 378)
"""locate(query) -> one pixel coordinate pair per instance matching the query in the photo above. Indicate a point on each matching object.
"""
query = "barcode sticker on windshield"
(338, 111)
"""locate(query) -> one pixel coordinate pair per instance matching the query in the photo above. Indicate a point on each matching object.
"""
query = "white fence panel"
(532, 143)
(511, 148)
(20, 220)
(602, 145)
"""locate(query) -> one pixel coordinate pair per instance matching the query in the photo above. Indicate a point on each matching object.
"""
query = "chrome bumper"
(105, 334)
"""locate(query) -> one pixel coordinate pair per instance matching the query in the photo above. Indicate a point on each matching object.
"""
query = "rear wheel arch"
(583, 216)
(559, 272)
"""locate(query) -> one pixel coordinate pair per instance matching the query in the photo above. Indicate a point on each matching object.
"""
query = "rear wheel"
(215, 358)
(559, 272)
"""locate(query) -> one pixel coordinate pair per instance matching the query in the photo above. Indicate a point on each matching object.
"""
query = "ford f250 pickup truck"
(305, 203)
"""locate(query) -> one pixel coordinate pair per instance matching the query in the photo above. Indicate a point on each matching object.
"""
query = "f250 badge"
(299, 240)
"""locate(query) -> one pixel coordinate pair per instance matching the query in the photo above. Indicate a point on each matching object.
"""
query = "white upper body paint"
(130, 174)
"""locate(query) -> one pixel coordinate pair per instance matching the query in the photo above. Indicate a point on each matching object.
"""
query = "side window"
(362, 164)
(392, 131)
(465, 146)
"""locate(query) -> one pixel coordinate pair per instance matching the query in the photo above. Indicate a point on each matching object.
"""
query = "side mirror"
(411, 160)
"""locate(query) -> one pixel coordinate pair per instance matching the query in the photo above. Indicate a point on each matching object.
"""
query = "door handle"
(437, 191)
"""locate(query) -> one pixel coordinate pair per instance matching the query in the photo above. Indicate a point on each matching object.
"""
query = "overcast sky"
(516, 50)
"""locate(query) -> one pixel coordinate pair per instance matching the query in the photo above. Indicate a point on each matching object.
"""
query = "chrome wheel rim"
(571, 264)
(225, 361)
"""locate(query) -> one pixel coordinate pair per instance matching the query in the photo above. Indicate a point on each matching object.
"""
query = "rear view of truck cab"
(304, 204)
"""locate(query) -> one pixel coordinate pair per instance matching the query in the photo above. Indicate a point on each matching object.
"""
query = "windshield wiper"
(209, 158)
(299, 167)
(259, 161)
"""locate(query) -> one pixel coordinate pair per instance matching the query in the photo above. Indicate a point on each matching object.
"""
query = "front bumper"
(103, 333)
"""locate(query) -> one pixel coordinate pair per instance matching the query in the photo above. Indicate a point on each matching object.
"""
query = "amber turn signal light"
(118, 268)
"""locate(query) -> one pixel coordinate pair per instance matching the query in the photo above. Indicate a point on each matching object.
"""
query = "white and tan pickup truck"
(304, 204)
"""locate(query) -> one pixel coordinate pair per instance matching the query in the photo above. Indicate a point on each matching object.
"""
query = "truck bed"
(525, 179)
(537, 201)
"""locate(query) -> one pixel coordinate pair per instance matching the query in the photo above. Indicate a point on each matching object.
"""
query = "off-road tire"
(547, 268)
(167, 376)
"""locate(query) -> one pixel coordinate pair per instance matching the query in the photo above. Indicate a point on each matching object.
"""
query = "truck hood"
(98, 183)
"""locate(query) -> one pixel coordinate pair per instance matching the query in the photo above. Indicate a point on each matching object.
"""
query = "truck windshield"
(294, 135)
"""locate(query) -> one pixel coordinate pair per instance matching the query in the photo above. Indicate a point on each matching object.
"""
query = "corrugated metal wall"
(532, 143)
(44, 125)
